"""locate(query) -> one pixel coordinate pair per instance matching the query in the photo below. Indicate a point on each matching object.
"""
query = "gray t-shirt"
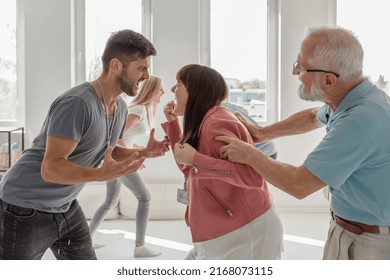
(78, 115)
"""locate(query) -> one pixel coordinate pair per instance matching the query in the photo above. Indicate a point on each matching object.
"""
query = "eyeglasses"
(297, 71)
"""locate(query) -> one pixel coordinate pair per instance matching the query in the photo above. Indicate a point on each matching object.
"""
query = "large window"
(8, 89)
(101, 19)
(239, 51)
(369, 21)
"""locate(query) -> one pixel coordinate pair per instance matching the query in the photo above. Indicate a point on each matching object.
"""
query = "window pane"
(239, 51)
(369, 21)
(8, 93)
(101, 19)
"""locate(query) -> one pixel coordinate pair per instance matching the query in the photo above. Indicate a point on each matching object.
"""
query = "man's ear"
(330, 80)
(116, 65)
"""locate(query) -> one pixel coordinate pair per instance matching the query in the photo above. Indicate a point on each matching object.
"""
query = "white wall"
(175, 33)
(46, 60)
(296, 15)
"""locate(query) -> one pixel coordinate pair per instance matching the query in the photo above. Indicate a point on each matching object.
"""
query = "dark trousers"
(26, 234)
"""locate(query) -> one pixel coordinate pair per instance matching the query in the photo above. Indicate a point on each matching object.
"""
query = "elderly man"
(353, 158)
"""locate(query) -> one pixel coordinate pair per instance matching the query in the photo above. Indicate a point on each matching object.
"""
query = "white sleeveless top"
(139, 130)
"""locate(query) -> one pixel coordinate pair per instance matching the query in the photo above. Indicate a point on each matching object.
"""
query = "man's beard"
(316, 93)
(126, 85)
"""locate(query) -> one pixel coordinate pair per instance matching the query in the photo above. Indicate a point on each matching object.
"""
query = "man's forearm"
(298, 123)
(65, 172)
(274, 172)
(296, 181)
(121, 153)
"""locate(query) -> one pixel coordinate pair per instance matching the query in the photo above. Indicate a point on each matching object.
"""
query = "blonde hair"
(145, 94)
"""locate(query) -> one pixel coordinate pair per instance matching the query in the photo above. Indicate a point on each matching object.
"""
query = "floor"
(304, 237)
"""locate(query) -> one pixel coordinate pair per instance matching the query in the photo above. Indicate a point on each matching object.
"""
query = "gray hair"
(337, 49)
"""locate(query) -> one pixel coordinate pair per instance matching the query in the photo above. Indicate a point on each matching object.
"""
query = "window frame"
(371, 49)
(20, 90)
(273, 47)
(78, 28)
(273, 53)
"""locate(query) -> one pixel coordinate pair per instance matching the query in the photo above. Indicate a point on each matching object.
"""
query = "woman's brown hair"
(206, 88)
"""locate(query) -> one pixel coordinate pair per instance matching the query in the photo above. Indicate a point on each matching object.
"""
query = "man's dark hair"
(126, 45)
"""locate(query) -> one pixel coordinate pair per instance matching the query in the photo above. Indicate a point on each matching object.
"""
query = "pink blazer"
(223, 196)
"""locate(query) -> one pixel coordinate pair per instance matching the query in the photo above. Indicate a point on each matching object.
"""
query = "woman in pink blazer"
(230, 212)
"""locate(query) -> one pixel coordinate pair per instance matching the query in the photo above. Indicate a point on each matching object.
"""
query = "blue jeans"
(26, 234)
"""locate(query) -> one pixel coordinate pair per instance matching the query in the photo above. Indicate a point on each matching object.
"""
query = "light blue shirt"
(353, 158)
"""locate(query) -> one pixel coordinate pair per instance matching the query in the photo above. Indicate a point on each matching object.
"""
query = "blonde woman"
(140, 122)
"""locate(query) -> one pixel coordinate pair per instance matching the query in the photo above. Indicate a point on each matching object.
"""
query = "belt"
(357, 228)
